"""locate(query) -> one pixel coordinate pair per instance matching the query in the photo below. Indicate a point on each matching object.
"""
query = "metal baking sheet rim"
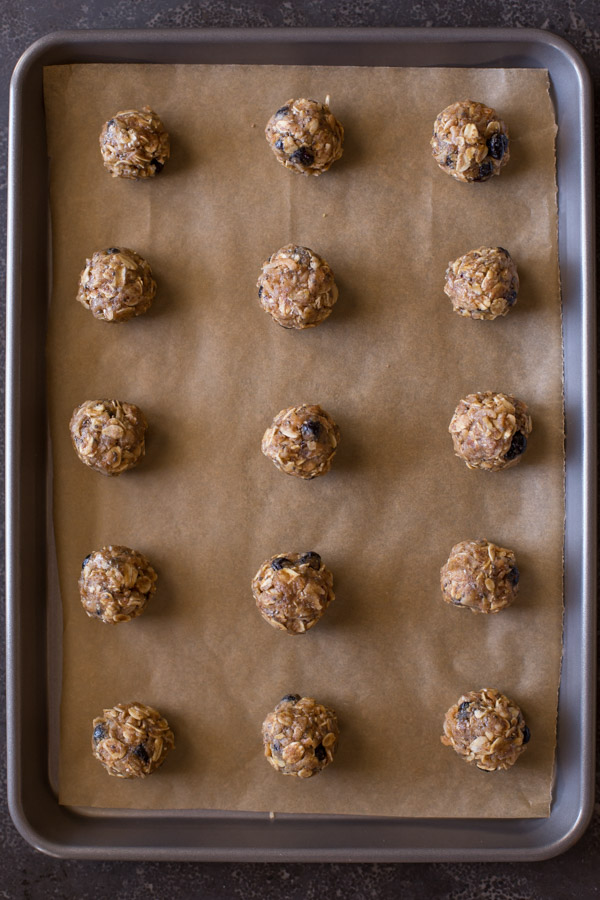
(231, 836)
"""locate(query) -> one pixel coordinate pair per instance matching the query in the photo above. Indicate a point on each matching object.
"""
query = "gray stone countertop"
(26, 873)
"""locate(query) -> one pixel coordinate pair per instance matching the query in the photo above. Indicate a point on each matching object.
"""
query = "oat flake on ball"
(131, 740)
(115, 584)
(470, 142)
(108, 435)
(297, 288)
(134, 144)
(293, 590)
(482, 284)
(305, 136)
(302, 441)
(490, 431)
(480, 576)
(116, 285)
(486, 728)
(300, 736)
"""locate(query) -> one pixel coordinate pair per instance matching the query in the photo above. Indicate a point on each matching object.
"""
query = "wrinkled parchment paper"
(210, 370)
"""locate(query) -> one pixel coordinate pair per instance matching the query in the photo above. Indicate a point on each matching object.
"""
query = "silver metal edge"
(34, 55)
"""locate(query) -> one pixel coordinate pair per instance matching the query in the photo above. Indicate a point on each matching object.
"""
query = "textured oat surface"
(300, 736)
(302, 441)
(483, 283)
(486, 728)
(293, 590)
(131, 740)
(470, 141)
(108, 435)
(115, 584)
(490, 431)
(480, 576)
(116, 285)
(134, 144)
(305, 136)
(296, 286)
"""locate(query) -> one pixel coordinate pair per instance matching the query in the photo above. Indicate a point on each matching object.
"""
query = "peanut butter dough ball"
(296, 287)
(115, 584)
(305, 136)
(116, 285)
(300, 736)
(486, 728)
(480, 576)
(490, 431)
(131, 740)
(470, 142)
(134, 144)
(302, 441)
(293, 590)
(482, 284)
(108, 435)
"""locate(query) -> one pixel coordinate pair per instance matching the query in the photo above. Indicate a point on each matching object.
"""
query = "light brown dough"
(480, 576)
(293, 590)
(134, 144)
(297, 288)
(115, 584)
(490, 431)
(470, 142)
(131, 740)
(300, 736)
(486, 728)
(108, 435)
(482, 284)
(305, 136)
(302, 441)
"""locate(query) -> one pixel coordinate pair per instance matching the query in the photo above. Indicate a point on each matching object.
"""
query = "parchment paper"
(210, 370)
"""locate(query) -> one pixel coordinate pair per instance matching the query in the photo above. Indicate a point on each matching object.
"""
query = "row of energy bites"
(293, 590)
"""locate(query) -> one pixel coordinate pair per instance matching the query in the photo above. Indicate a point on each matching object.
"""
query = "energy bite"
(134, 144)
(115, 584)
(470, 142)
(486, 728)
(293, 590)
(116, 285)
(300, 736)
(480, 576)
(131, 740)
(482, 284)
(108, 435)
(302, 441)
(297, 288)
(490, 431)
(305, 136)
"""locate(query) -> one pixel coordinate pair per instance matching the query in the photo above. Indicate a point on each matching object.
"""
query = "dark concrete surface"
(25, 873)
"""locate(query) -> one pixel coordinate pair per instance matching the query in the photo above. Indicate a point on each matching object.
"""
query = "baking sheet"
(390, 365)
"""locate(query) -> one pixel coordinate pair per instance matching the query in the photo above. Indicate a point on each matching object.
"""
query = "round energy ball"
(490, 431)
(305, 136)
(115, 584)
(108, 435)
(482, 284)
(480, 576)
(302, 441)
(296, 286)
(293, 590)
(300, 736)
(131, 740)
(486, 728)
(470, 142)
(134, 144)
(116, 285)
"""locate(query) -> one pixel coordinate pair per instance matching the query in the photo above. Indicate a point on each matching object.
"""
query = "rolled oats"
(116, 285)
(300, 736)
(131, 740)
(305, 136)
(480, 576)
(490, 431)
(108, 435)
(302, 441)
(134, 144)
(486, 728)
(482, 284)
(115, 584)
(470, 142)
(293, 590)
(297, 287)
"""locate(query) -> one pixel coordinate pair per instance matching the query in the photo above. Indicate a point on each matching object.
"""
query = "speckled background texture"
(25, 873)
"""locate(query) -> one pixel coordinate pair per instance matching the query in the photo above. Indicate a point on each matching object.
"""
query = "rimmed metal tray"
(34, 647)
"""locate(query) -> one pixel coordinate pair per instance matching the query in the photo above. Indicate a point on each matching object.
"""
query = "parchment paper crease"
(210, 370)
